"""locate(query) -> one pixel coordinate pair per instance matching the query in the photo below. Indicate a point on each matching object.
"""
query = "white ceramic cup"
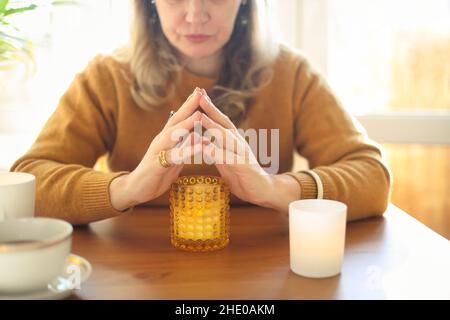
(32, 252)
(17, 195)
(317, 237)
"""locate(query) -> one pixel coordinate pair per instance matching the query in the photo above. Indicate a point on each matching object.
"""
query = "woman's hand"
(150, 179)
(239, 167)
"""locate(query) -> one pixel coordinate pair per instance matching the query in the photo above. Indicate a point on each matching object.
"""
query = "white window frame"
(408, 128)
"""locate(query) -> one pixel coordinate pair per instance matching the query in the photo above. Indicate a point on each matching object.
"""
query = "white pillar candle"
(317, 237)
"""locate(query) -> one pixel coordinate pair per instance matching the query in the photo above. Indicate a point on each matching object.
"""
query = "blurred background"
(388, 61)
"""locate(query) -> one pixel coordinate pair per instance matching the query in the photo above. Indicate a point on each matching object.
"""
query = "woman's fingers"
(173, 135)
(218, 116)
(224, 138)
(181, 144)
(187, 109)
(192, 139)
(192, 146)
(214, 113)
(180, 156)
(216, 155)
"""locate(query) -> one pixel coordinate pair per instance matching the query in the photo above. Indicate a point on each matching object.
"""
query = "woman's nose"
(196, 11)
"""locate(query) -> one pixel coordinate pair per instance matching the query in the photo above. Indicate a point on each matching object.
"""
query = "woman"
(119, 106)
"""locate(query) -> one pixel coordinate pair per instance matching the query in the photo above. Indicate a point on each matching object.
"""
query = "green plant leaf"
(64, 2)
(12, 47)
(13, 44)
(3, 4)
(18, 10)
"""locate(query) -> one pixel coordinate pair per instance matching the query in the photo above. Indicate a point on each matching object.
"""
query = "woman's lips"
(197, 38)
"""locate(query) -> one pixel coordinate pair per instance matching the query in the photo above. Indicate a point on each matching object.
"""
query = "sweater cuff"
(95, 194)
(307, 184)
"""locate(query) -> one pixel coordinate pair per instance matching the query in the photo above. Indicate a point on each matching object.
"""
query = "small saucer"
(59, 288)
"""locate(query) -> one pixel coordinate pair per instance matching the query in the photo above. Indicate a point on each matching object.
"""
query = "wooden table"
(391, 257)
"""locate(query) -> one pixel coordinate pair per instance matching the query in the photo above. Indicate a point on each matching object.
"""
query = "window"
(388, 62)
(65, 38)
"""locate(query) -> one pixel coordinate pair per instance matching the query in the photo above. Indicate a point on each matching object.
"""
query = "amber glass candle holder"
(200, 213)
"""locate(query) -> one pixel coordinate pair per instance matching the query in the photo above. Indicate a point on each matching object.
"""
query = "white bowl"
(28, 266)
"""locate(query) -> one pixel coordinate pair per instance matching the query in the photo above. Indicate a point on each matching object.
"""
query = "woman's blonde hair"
(155, 69)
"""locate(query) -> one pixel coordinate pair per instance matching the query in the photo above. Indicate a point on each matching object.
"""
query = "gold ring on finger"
(162, 158)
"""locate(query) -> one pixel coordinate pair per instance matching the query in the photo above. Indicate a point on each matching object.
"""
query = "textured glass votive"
(200, 213)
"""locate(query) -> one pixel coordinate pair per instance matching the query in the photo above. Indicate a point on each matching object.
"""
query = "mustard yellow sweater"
(98, 116)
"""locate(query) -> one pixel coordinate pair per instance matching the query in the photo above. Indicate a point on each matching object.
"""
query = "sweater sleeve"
(350, 165)
(62, 158)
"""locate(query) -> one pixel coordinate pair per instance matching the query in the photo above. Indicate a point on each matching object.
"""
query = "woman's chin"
(197, 54)
(196, 51)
